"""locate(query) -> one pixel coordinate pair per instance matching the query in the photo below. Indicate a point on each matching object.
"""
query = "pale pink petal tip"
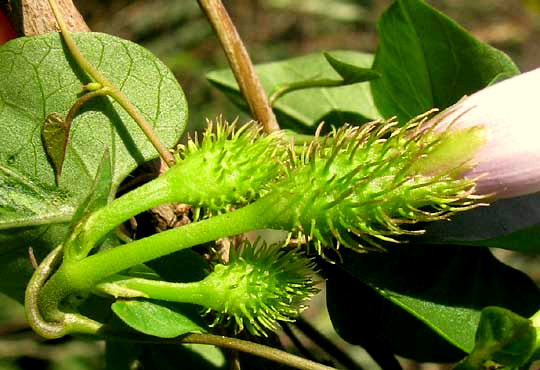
(509, 163)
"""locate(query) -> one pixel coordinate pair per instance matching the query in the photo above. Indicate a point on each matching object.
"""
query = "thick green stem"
(82, 275)
(106, 263)
(112, 90)
(31, 300)
(106, 219)
(55, 324)
(180, 184)
(201, 292)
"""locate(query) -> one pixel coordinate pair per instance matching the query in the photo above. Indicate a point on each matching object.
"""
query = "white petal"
(510, 111)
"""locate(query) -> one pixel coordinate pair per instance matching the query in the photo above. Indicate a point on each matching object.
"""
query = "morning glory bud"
(226, 168)
(508, 165)
(261, 285)
(359, 185)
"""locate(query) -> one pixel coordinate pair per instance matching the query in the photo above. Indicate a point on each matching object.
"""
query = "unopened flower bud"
(261, 285)
(508, 164)
(359, 185)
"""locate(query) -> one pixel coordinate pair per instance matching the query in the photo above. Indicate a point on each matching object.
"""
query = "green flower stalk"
(261, 285)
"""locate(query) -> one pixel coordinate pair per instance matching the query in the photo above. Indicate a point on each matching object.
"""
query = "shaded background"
(177, 32)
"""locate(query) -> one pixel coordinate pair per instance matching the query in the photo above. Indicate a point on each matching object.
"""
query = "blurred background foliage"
(177, 32)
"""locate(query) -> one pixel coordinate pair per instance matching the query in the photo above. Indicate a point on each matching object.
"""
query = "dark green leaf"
(508, 223)
(304, 110)
(38, 79)
(503, 340)
(433, 293)
(160, 319)
(349, 72)
(525, 240)
(426, 60)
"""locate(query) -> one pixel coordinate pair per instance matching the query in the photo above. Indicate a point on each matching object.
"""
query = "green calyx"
(228, 167)
(261, 285)
(363, 184)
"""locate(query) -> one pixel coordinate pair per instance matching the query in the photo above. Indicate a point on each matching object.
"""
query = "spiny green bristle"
(232, 166)
(261, 285)
(358, 185)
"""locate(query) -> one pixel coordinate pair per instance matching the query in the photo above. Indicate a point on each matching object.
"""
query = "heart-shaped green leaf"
(304, 109)
(40, 78)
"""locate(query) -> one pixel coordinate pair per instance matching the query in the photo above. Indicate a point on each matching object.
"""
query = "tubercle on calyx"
(231, 166)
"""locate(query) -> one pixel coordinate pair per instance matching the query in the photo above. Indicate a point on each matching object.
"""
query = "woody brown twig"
(240, 63)
(34, 17)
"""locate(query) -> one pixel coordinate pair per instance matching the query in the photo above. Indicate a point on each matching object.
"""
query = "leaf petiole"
(110, 88)
(57, 323)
